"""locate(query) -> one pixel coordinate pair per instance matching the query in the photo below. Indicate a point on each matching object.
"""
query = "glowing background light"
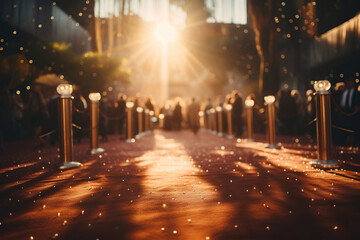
(164, 33)
(161, 45)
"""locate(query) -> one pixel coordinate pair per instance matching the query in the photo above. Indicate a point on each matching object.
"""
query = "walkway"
(177, 185)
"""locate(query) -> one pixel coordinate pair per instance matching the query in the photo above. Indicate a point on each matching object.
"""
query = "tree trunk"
(262, 15)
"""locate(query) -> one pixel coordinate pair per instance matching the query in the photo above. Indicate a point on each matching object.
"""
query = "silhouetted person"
(177, 116)
(193, 116)
(79, 117)
(310, 113)
(53, 108)
(121, 109)
(111, 113)
(102, 120)
(149, 105)
(350, 104)
(17, 108)
(237, 111)
(136, 117)
(287, 113)
(38, 112)
(299, 120)
(208, 106)
(4, 110)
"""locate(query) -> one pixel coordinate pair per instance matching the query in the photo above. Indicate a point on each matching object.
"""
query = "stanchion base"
(69, 165)
(96, 151)
(249, 140)
(220, 134)
(274, 146)
(230, 136)
(131, 140)
(318, 163)
(139, 135)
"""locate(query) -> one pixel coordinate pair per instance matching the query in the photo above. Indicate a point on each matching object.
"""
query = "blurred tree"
(89, 71)
(262, 15)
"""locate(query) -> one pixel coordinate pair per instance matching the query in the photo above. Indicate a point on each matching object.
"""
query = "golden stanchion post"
(208, 120)
(147, 122)
(140, 111)
(219, 122)
(129, 107)
(152, 113)
(202, 120)
(65, 127)
(228, 108)
(161, 120)
(94, 123)
(249, 103)
(213, 120)
(323, 126)
(269, 101)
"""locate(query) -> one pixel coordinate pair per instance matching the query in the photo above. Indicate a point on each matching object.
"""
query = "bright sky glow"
(221, 11)
(227, 11)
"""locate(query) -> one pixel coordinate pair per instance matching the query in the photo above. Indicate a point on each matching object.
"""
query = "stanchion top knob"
(228, 107)
(95, 96)
(269, 99)
(129, 104)
(249, 103)
(322, 86)
(64, 89)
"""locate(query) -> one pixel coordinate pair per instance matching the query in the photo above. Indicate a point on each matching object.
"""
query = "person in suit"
(237, 111)
(193, 116)
(177, 116)
(350, 104)
(121, 109)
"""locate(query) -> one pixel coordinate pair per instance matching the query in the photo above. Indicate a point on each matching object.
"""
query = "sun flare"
(165, 33)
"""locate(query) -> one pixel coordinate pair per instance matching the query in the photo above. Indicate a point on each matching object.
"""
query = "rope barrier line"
(112, 118)
(48, 133)
(305, 107)
(341, 111)
(102, 114)
(343, 129)
(311, 122)
(79, 111)
(76, 126)
(302, 110)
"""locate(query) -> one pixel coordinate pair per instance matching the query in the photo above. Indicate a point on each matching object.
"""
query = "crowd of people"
(295, 114)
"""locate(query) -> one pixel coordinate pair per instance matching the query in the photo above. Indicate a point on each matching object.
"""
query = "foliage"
(89, 71)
